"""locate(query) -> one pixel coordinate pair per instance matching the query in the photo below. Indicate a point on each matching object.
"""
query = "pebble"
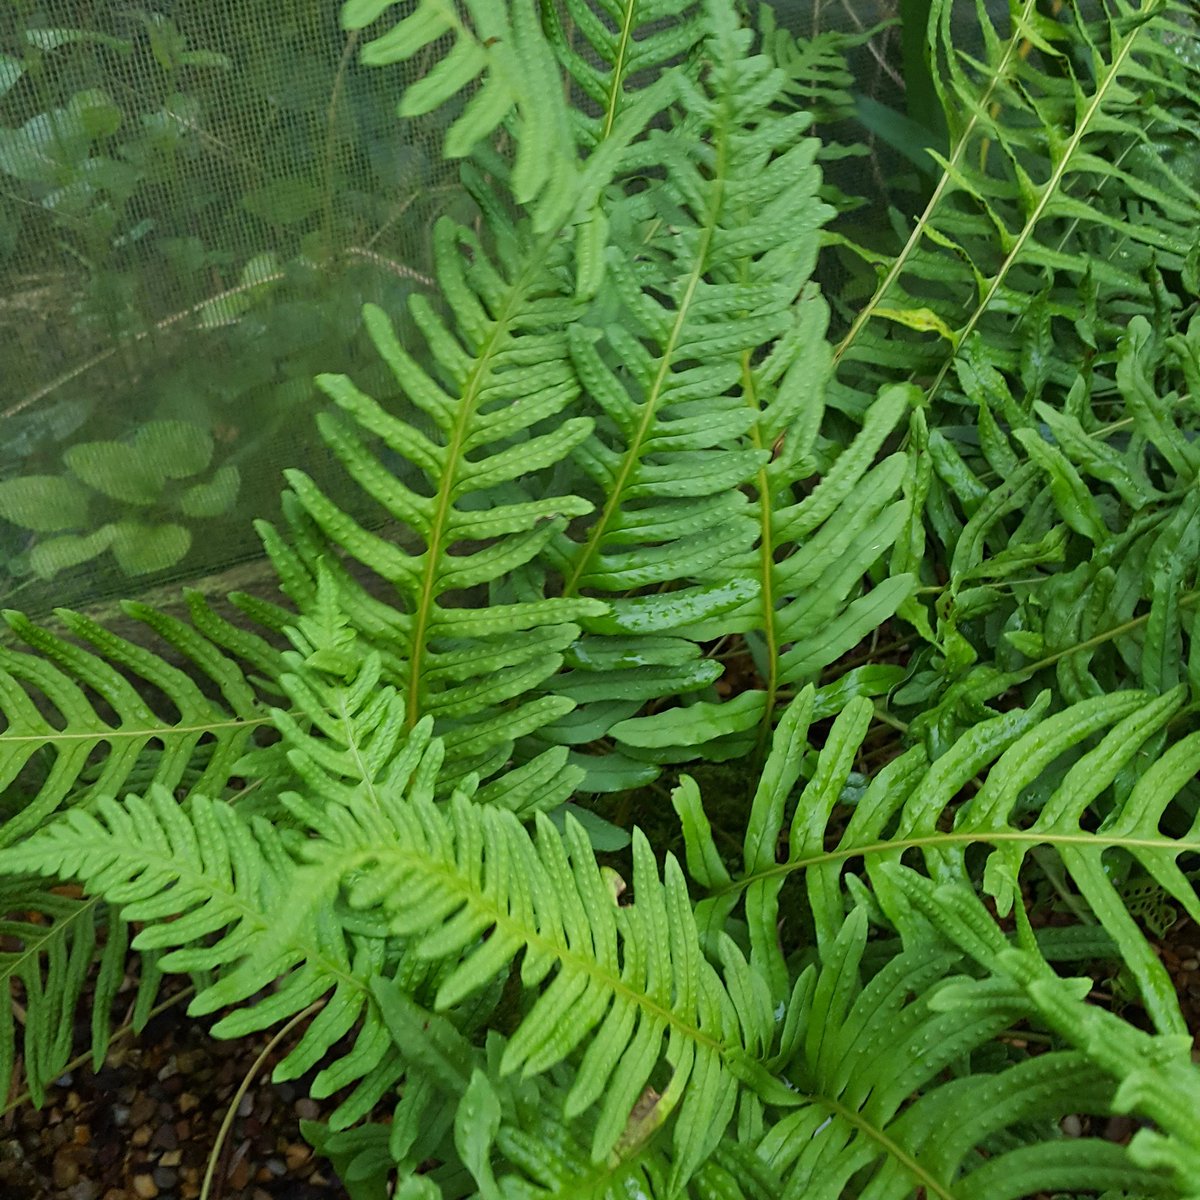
(1190, 964)
(297, 1155)
(66, 1167)
(307, 1109)
(166, 1138)
(165, 1177)
(144, 1187)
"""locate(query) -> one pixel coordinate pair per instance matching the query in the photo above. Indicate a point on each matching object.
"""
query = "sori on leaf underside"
(638, 459)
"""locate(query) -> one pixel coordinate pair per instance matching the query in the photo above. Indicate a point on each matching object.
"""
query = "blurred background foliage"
(196, 200)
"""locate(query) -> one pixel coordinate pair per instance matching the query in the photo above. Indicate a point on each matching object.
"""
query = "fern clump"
(645, 506)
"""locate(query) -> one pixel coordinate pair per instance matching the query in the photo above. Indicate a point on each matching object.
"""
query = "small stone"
(1120, 1129)
(187, 1102)
(172, 1158)
(245, 1105)
(1071, 1126)
(144, 1187)
(85, 1189)
(189, 1060)
(164, 1177)
(276, 1166)
(170, 1068)
(307, 1109)
(120, 1115)
(239, 1175)
(1190, 964)
(142, 1136)
(297, 1155)
(66, 1168)
(165, 1138)
(144, 1107)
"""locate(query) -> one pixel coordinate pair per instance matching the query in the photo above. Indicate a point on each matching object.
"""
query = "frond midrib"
(616, 86)
(111, 733)
(56, 930)
(650, 404)
(888, 1146)
(185, 875)
(1030, 837)
(455, 883)
(1050, 189)
(1011, 51)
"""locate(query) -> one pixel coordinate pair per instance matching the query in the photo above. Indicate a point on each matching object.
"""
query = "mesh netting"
(196, 199)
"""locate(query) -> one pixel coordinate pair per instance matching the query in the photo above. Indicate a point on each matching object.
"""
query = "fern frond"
(502, 49)
(1079, 562)
(610, 47)
(51, 946)
(114, 716)
(503, 378)
(1074, 763)
(1158, 1077)
(85, 719)
(629, 980)
(498, 379)
(344, 729)
(866, 1051)
(221, 875)
(1033, 195)
(705, 368)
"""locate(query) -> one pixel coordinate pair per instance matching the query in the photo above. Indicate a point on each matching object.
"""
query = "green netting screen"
(196, 199)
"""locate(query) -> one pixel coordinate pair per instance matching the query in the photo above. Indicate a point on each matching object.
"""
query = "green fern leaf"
(83, 720)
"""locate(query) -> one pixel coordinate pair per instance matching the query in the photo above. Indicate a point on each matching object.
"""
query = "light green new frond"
(207, 883)
(618, 988)
(344, 731)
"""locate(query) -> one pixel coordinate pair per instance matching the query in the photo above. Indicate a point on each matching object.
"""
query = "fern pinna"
(626, 460)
